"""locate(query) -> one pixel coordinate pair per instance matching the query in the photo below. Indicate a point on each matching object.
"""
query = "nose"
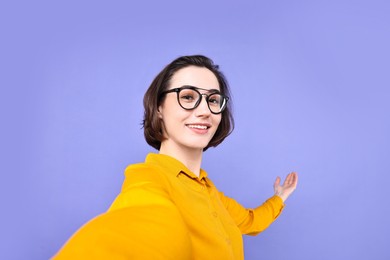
(203, 109)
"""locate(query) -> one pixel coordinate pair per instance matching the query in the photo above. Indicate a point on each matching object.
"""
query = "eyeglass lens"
(190, 98)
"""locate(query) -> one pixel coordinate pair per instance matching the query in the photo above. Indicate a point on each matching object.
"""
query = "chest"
(210, 224)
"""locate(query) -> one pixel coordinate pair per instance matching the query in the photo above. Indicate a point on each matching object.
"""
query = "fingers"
(288, 187)
(292, 179)
(289, 179)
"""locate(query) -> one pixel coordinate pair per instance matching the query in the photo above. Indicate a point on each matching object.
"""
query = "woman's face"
(189, 129)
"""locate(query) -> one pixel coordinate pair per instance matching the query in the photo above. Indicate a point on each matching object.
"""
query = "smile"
(203, 127)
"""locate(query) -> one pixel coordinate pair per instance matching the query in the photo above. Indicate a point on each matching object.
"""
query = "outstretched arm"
(288, 187)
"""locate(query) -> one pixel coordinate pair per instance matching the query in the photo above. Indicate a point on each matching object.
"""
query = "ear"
(159, 109)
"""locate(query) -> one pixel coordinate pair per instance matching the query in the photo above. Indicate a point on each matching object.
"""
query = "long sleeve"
(142, 223)
(166, 212)
(253, 221)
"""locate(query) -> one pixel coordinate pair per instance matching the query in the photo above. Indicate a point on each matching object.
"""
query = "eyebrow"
(208, 90)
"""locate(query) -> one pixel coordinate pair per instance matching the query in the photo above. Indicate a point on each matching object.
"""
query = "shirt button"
(215, 214)
(228, 241)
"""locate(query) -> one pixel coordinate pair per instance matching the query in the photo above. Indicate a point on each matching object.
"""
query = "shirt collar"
(173, 165)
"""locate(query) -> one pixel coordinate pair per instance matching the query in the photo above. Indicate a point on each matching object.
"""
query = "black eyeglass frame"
(177, 90)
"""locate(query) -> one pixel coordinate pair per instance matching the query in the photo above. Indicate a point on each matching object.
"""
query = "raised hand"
(288, 187)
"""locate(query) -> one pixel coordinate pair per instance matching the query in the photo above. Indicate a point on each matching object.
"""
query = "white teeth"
(198, 126)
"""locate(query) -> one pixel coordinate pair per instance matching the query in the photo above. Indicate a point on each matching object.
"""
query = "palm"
(288, 187)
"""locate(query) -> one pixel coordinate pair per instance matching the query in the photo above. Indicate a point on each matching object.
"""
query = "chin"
(197, 146)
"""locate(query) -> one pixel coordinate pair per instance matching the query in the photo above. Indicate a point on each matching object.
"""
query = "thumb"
(277, 182)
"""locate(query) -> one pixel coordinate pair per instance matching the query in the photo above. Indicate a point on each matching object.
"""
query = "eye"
(188, 95)
(215, 100)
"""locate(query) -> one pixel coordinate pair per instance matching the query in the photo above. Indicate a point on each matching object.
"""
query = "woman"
(168, 208)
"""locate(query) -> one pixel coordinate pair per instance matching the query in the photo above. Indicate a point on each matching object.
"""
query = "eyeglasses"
(189, 98)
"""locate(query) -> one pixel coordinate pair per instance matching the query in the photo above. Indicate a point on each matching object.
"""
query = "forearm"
(253, 221)
(263, 216)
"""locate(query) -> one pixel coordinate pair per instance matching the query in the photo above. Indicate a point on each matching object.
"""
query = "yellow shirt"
(164, 211)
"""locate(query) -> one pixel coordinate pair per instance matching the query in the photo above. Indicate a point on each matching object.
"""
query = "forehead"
(194, 76)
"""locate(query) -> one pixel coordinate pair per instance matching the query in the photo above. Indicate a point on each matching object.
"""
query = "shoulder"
(144, 173)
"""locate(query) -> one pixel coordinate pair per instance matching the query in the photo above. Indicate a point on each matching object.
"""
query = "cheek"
(217, 120)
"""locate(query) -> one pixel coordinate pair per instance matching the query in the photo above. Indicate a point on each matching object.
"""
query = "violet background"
(310, 83)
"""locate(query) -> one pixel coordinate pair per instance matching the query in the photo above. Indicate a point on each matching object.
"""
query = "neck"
(191, 158)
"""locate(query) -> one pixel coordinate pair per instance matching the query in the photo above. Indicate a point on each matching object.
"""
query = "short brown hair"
(153, 98)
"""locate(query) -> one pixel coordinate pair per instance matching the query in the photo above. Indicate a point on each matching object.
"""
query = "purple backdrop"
(310, 83)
